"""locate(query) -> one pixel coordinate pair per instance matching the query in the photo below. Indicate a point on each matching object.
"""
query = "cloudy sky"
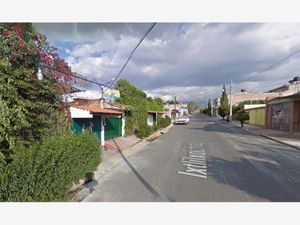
(188, 60)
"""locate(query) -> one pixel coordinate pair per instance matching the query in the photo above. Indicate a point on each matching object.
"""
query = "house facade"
(249, 96)
(174, 111)
(215, 105)
(283, 113)
(89, 110)
(153, 117)
(105, 123)
(257, 114)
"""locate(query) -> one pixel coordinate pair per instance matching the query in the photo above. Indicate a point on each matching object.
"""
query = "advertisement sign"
(112, 94)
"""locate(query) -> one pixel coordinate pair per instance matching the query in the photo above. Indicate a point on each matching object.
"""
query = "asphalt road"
(207, 160)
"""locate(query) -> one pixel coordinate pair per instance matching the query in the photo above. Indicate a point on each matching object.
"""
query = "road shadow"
(220, 126)
(258, 174)
(156, 195)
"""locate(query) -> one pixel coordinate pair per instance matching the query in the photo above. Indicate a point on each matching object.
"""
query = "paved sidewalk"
(112, 156)
(276, 135)
(120, 143)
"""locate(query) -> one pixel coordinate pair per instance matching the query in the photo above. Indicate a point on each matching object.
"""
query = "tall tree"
(223, 109)
(209, 107)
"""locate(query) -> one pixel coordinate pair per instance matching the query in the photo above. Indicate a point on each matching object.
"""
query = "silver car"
(182, 120)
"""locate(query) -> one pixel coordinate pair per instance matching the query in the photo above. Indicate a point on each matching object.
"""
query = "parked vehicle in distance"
(182, 120)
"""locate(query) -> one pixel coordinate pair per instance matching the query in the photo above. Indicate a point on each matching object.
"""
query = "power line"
(280, 61)
(107, 84)
(131, 54)
(72, 75)
(69, 74)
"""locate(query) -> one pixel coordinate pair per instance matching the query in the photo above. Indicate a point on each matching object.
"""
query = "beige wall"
(244, 96)
(257, 116)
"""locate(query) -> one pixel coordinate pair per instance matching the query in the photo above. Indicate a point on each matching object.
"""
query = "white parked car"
(182, 120)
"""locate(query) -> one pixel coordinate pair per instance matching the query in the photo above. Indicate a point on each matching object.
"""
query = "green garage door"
(88, 123)
(112, 128)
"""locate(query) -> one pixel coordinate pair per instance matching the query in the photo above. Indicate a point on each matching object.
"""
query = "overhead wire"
(280, 61)
(110, 83)
(131, 54)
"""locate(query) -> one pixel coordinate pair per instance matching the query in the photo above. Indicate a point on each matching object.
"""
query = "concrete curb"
(270, 138)
(158, 133)
(281, 142)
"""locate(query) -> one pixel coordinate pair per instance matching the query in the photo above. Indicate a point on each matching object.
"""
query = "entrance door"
(94, 124)
(112, 128)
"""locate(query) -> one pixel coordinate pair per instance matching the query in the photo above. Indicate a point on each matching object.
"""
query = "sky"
(191, 61)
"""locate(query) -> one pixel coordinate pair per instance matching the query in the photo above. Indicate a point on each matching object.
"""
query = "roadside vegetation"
(242, 116)
(136, 118)
(192, 106)
(40, 156)
(207, 109)
(223, 109)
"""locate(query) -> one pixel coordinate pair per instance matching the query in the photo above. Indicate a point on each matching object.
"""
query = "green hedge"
(164, 122)
(45, 171)
(136, 119)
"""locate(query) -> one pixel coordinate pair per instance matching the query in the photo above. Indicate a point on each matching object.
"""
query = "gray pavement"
(276, 135)
(207, 160)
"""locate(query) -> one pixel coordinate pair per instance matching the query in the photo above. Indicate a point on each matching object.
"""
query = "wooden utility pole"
(230, 106)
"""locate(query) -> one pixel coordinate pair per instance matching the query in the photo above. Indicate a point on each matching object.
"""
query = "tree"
(223, 109)
(222, 112)
(242, 116)
(172, 102)
(29, 108)
(209, 107)
(192, 106)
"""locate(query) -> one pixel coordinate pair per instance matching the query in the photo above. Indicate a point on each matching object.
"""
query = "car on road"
(182, 120)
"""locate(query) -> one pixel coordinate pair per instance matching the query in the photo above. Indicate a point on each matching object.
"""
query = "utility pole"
(230, 106)
(211, 109)
(175, 112)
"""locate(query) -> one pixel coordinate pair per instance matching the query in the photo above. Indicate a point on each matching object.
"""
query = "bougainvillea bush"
(30, 108)
(34, 166)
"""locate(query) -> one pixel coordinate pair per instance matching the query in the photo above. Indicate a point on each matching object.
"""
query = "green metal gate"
(94, 124)
(112, 128)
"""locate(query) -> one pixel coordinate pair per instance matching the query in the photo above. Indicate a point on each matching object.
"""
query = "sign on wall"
(109, 93)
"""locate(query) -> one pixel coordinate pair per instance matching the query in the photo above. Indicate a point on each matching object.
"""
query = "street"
(208, 160)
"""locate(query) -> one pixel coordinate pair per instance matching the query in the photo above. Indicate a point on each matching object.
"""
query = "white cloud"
(191, 61)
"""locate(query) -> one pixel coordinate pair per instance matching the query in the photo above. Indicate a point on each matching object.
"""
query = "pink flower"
(5, 33)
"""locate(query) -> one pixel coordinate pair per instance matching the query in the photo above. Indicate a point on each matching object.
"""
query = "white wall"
(150, 120)
(123, 125)
(248, 106)
(80, 113)
(102, 131)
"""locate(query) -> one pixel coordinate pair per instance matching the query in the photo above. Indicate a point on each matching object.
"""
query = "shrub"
(144, 131)
(136, 120)
(164, 122)
(45, 171)
(242, 116)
